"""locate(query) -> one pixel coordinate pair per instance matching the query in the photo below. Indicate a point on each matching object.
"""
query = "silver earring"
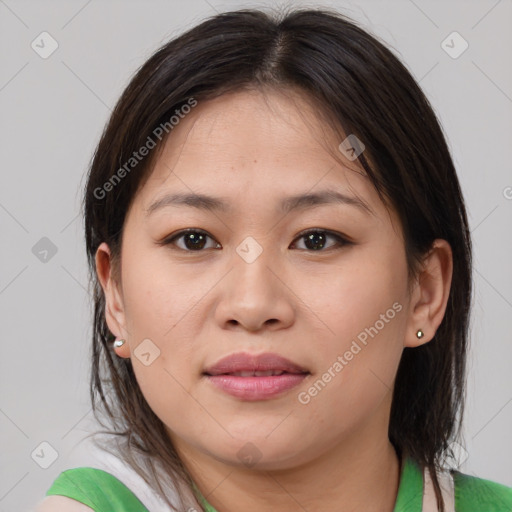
(420, 334)
(119, 343)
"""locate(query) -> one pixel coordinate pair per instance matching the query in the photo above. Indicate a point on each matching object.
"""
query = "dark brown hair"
(364, 89)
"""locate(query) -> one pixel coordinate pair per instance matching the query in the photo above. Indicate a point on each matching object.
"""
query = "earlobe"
(114, 309)
(430, 294)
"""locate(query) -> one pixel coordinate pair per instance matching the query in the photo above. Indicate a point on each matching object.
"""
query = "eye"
(193, 240)
(315, 239)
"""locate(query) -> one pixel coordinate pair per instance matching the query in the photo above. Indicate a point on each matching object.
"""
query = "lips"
(247, 365)
(255, 378)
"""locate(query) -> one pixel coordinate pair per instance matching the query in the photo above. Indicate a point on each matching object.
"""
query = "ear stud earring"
(119, 343)
(420, 334)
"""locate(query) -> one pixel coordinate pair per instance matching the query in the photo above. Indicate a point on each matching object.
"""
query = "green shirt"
(103, 492)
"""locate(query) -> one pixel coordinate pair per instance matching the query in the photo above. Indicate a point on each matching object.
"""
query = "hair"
(363, 89)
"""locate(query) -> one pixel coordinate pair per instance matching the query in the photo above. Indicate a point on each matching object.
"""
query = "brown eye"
(193, 240)
(316, 240)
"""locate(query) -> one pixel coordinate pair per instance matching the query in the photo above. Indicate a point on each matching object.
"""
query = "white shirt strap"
(447, 490)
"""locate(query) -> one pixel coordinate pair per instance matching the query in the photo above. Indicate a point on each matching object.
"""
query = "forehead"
(245, 125)
(254, 143)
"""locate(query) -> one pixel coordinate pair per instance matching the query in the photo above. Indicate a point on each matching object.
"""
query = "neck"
(360, 473)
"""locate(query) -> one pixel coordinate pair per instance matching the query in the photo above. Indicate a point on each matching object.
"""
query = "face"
(321, 283)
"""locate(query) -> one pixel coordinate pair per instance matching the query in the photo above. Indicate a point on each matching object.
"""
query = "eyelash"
(341, 240)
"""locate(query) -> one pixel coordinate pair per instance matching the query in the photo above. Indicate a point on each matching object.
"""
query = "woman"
(281, 263)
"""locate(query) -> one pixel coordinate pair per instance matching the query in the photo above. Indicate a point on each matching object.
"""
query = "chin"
(260, 452)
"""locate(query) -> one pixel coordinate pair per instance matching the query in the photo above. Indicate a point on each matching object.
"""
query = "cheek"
(159, 296)
(159, 309)
(364, 306)
(365, 297)
(168, 382)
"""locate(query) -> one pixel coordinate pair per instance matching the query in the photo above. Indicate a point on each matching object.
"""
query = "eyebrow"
(288, 204)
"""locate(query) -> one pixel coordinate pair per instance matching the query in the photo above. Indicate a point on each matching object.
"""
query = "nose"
(254, 297)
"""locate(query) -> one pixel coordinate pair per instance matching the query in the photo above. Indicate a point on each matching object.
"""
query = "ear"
(114, 308)
(430, 294)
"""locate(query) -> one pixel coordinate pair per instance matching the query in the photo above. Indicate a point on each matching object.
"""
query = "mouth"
(243, 364)
(255, 377)
(255, 373)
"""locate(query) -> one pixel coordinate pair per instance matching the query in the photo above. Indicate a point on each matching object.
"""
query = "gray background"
(53, 111)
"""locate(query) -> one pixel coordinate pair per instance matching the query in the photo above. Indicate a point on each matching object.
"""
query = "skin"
(305, 305)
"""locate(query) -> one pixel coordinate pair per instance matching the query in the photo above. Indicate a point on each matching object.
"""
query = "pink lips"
(255, 377)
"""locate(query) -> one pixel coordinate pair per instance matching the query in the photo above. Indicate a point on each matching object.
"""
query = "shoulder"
(61, 504)
(102, 479)
(94, 489)
(473, 494)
